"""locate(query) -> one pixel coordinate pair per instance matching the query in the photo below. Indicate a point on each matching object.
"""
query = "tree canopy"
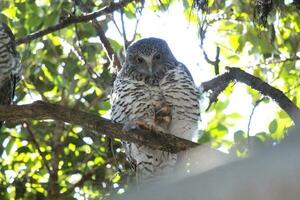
(70, 57)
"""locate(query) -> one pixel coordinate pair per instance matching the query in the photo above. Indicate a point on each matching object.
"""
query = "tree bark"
(218, 84)
(41, 110)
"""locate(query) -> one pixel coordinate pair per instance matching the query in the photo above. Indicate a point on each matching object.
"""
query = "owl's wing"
(10, 67)
(120, 100)
(7, 92)
(186, 70)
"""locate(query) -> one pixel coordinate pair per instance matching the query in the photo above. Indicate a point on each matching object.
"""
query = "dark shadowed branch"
(236, 74)
(73, 20)
(216, 62)
(41, 110)
(251, 115)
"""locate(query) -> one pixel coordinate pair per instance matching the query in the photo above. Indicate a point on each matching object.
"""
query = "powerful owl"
(154, 91)
(10, 67)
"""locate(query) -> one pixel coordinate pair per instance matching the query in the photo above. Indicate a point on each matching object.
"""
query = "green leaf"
(262, 136)
(273, 126)
(72, 146)
(23, 149)
(234, 41)
(10, 12)
(234, 115)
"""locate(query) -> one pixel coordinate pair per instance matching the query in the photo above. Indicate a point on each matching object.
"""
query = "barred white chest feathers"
(160, 92)
(10, 67)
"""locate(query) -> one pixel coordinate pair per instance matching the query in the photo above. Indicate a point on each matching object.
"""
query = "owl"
(154, 91)
(10, 67)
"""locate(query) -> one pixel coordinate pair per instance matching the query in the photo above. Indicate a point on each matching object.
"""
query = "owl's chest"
(144, 98)
(134, 100)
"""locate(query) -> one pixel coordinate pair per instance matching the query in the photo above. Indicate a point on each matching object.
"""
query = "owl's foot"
(143, 125)
(135, 125)
(163, 113)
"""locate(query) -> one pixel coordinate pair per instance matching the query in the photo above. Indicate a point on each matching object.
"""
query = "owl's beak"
(150, 69)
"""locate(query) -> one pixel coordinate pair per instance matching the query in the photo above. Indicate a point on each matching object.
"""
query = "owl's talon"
(167, 119)
(142, 125)
(135, 125)
(130, 126)
(162, 109)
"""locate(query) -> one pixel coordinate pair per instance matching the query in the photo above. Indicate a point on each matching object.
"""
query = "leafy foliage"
(71, 68)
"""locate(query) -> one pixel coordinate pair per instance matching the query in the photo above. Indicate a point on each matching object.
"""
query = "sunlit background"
(56, 71)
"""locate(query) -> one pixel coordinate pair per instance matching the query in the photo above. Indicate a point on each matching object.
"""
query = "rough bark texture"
(73, 20)
(42, 110)
(218, 84)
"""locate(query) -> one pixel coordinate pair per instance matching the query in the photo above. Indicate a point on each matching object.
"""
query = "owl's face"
(149, 57)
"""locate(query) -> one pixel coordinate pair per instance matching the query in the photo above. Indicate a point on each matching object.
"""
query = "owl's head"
(6, 35)
(149, 57)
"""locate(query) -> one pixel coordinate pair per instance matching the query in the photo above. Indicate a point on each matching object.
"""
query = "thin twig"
(82, 57)
(125, 41)
(135, 30)
(110, 54)
(251, 115)
(278, 61)
(216, 62)
(73, 20)
(98, 79)
(116, 25)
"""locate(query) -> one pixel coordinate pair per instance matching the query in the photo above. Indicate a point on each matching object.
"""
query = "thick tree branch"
(41, 110)
(236, 74)
(73, 20)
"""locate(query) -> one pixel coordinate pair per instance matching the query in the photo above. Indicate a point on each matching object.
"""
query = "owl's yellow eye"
(140, 60)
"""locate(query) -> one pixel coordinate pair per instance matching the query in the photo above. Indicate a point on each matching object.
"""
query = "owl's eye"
(139, 60)
(157, 56)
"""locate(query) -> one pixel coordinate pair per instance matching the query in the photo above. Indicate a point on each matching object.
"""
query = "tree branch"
(111, 55)
(40, 110)
(73, 20)
(216, 62)
(236, 74)
(251, 115)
